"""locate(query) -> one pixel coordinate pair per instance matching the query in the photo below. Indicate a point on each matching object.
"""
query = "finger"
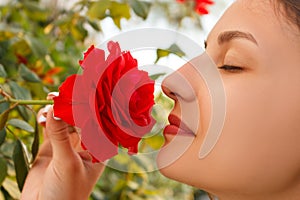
(41, 119)
(51, 95)
(86, 156)
(45, 150)
(75, 141)
(94, 170)
(41, 116)
(58, 134)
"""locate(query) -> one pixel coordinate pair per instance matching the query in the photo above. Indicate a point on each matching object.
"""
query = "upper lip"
(175, 121)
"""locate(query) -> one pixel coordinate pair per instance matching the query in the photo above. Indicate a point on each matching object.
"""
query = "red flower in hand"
(110, 102)
(200, 5)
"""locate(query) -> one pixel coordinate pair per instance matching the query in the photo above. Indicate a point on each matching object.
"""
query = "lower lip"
(174, 130)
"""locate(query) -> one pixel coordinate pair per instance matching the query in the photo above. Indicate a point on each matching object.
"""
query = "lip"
(177, 127)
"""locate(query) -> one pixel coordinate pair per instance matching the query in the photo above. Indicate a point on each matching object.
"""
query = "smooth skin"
(257, 156)
(62, 170)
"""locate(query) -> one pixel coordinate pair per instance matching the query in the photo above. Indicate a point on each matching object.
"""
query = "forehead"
(258, 17)
(246, 15)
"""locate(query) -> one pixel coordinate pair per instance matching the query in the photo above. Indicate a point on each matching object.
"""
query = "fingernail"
(53, 94)
(47, 108)
(106, 162)
(56, 118)
(41, 119)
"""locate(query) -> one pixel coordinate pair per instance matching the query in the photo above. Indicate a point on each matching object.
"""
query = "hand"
(62, 170)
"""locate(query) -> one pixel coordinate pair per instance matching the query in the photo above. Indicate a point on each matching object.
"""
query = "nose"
(180, 84)
(197, 88)
(186, 87)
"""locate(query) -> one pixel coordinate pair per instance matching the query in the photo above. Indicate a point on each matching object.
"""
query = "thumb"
(58, 134)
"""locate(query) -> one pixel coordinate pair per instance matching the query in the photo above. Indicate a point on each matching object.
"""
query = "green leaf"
(156, 76)
(94, 25)
(64, 20)
(21, 48)
(28, 75)
(98, 9)
(155, 142)
(173, 49)
(37, 90)
(4, 105)
(36, 46)
(20, 93)
(21, 164)
(5, 34)
(79, 32)
(33, 6)
(4, 118)
(3, 170)
(160, 53)
(24, 112)
(2, 72)
(2, 136)
(7, 149)
(119, 11)
(35, 143)
(35, 11)
(140, 8)
(21, 125)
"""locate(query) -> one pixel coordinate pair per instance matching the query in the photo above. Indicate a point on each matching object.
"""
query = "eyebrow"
(228, 36)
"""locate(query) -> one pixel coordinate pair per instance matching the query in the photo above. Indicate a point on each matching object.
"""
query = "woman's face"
(258, 152)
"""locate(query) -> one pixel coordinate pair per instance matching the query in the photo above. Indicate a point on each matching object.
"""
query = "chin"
(176, 172)
(176, 167)
(189, 169)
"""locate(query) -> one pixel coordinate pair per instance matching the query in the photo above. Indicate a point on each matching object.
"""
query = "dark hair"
(291, 10)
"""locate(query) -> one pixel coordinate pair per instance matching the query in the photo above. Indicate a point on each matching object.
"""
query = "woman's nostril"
(173, 95)
(167, 91)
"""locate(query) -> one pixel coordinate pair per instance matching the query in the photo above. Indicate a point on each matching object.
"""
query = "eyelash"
(231, 68)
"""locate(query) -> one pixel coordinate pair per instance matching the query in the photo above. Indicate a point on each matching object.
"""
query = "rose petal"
(111, 102)
(91, 48)
(63, 103)
(96, 142)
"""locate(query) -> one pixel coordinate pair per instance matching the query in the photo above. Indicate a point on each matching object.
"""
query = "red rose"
(110, 102)
(200, 5)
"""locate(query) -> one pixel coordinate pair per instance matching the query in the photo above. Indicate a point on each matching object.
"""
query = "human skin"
(258, 153)
(62, 170)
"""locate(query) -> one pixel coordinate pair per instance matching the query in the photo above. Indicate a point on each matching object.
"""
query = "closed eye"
(231, 68)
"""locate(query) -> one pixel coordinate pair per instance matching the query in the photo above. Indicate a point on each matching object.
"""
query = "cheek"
(259, 141)
(188, 168)
(261, 135)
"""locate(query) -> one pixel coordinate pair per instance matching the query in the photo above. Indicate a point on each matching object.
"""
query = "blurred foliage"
(40, 44)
